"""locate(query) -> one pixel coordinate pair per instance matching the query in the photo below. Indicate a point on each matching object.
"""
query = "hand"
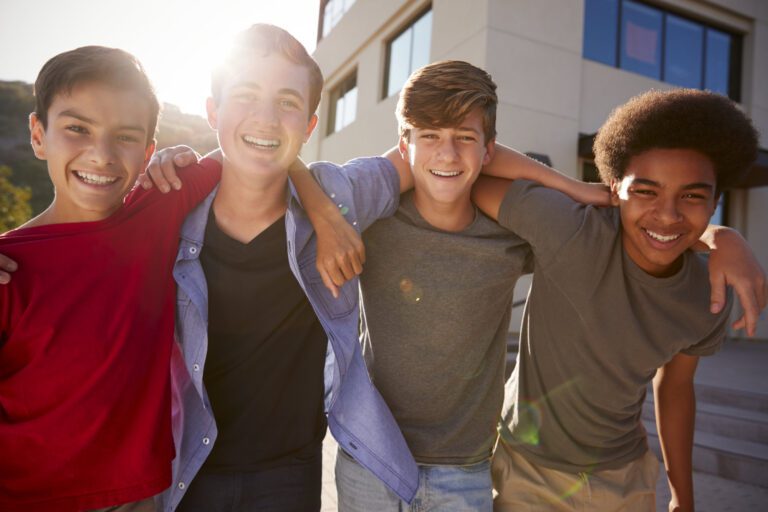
(732, 263)
(6, 265)
(161, 171)
(340, 252)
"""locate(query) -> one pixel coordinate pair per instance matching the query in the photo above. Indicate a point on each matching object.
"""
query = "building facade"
(561, 66)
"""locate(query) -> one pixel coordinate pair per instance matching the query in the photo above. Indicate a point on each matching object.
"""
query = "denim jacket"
(365, 190)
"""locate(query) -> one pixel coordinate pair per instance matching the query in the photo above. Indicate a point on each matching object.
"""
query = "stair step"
(734, 459)
(732, 422)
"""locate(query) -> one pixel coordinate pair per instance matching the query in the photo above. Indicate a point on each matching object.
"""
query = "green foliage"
(14, 202)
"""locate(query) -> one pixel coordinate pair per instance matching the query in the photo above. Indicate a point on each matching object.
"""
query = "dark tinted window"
(408, 52)
(717, 74)
(683, 52)
(600, 30)
(641, 39)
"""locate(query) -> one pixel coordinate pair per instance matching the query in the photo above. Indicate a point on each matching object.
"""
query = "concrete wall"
(548, 93)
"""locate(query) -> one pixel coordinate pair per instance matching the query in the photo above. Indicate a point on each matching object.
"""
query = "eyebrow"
(284, 91)
(74, 114)
(690, 186)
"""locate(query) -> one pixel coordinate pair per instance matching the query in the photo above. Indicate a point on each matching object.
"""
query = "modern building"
(561, 67)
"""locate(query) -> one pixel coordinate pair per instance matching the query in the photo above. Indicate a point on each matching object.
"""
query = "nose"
(667, 210)
(102, 152)
(447, 150)
(264, 113)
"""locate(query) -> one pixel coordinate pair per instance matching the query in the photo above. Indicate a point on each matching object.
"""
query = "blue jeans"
(441, 488)
(294, 488)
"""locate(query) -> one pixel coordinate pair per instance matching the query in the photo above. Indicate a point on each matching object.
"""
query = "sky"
(177, 41)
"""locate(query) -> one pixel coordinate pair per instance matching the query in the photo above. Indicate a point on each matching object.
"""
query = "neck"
(244, 207)
(453, 216)
(56, 214)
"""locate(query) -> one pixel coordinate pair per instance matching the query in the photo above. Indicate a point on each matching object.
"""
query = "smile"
(445, 174)
(95, 179)
(261, 143)
(662, 238)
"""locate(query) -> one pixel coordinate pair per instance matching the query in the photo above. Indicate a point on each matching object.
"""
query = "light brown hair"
(442, 94)
(264, 39)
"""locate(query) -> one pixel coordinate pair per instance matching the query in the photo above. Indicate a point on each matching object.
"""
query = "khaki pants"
(520, 486)
(147, 505)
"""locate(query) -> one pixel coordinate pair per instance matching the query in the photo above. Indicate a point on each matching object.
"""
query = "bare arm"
(732, 262)
(340, 251)
(512, 165)
(675, 404)
(402, 166)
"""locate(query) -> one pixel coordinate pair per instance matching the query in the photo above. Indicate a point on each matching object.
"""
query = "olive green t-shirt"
(595, 329)
(438, 310)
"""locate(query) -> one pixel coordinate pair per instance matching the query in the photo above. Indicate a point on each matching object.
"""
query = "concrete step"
(726, 457)
(722, 420)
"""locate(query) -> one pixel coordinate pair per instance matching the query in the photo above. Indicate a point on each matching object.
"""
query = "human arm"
(161, 170)
(675, 404)
(340, 250)
(402, 166)
(7, 265)
(732, 262)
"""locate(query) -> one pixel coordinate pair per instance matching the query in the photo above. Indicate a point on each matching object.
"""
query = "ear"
(310, 127)
(615, 184)
(402, 146)
(490, 150)
(37, 136)
(149, 152)
(213, 113)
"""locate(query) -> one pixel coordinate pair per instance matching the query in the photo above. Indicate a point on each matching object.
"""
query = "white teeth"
(444, 174)
(95, 179)
(662, 238)
(263, 143)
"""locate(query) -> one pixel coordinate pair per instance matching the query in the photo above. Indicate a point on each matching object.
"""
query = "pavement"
(740, 365)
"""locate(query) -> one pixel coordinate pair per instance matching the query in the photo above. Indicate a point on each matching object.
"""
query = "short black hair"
(702, 121)
(110, 66)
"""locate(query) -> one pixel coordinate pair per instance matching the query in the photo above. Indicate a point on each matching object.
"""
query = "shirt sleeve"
(546, 218)
(714, 340)
(197, 182)
(373, 182)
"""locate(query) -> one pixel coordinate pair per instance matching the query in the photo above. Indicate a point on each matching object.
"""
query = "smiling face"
(96, 145)
(446, 161)
(666, 198)
(263, 116)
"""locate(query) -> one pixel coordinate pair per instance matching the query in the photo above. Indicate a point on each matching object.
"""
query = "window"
(333, 11)
(343, 107)
(631, 35)
(408, 51)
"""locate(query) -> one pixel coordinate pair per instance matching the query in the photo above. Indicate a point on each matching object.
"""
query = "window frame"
(388, 48)
(338, 92)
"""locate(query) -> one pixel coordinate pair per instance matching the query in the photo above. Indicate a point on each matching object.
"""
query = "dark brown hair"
(110, 66)
(678, 119)
(264, 39)
(442, 94)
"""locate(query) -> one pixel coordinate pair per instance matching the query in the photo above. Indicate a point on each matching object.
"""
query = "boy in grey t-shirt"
(618, 300)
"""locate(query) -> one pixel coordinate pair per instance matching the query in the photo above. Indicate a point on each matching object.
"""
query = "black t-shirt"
(266, 354)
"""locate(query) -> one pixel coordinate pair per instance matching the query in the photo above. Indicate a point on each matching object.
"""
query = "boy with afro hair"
(618, 300)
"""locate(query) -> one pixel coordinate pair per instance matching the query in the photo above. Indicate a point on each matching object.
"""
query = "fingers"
(328, 281)
(718, 292)
(162, 167)
(6, 265)
(751, 311)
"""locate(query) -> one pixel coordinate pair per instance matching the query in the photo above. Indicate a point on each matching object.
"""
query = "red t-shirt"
(86, 330)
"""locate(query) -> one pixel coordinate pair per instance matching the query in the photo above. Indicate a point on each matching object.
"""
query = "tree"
(14, 202)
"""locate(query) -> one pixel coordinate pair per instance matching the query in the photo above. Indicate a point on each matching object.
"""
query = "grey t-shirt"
(595, 329)
(438, 308)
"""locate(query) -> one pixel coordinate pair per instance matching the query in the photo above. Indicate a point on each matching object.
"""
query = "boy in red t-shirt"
(86, 325)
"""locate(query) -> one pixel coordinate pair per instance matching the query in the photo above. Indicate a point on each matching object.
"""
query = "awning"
(757, 176)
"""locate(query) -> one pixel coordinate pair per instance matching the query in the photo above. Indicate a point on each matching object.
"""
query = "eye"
(467, 138)
(429, 136)
(127, 138)
(76, 128)
(289, 104)
(694, 196)
(643, 192)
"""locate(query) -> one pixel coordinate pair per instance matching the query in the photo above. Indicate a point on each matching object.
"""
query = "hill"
(17, 101)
